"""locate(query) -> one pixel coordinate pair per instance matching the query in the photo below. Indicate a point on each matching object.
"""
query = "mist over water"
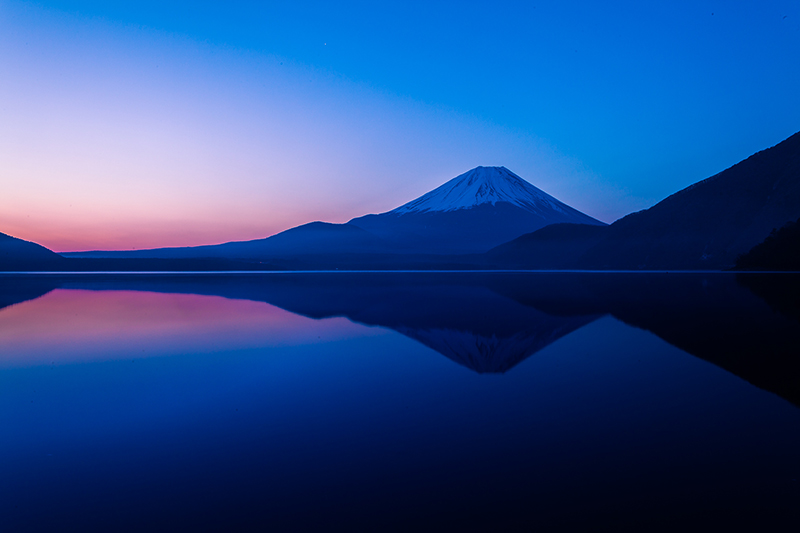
(397, 401)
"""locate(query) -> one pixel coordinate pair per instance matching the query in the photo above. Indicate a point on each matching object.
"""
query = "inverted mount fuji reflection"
(311, 401)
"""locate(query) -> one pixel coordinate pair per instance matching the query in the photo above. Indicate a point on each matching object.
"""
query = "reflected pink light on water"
(70, 326)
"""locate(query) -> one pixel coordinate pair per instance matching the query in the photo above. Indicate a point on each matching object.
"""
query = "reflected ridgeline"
(18, 289)
(747, 324)
(459, 316)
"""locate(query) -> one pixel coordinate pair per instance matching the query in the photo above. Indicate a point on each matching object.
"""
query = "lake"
(381, 401)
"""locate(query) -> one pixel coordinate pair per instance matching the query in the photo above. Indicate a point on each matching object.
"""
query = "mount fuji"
(471, 213)
(486, 185)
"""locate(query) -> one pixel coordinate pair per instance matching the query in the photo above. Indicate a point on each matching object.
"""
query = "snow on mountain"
(471, 213)
(492, 354)
(484, 185)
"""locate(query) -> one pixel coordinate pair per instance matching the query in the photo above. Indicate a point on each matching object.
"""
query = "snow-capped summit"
(484, 185)
(471, 213)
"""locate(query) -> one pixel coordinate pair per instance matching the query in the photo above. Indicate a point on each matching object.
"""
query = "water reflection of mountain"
(711, 316)
(464, 321)
(490, 322)
(492, 354)
(17, 289)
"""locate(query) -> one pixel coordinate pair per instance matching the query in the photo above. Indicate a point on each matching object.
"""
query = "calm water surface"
(399, 401)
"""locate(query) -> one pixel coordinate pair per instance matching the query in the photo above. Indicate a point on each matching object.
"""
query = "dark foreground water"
(369, 402)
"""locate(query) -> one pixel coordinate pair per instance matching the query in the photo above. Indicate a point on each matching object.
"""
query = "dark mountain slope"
(705, 226)
(779, 251)
(16, 254)
(709, 224)
(554, 247)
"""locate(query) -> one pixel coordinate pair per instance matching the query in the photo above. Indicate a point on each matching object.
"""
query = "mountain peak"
(484, 185)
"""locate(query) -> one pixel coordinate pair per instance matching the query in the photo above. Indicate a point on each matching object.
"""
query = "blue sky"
(608, 106)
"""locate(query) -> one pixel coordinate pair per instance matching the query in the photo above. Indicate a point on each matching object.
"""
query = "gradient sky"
(143, 124)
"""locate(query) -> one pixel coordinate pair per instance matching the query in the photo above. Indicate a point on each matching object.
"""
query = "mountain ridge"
(704, 226)
(487, 206)
(19, 254)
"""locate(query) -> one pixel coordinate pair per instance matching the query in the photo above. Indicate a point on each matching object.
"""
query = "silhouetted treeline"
(779, 251)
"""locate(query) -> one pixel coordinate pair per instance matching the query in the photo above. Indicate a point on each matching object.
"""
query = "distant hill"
(18, 255)
(705, 226)
(779, 251)
(555, 247)
(309, 239)
(471, 213)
